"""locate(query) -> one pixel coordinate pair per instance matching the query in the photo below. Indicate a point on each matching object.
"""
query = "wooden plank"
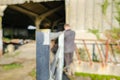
(23, 11)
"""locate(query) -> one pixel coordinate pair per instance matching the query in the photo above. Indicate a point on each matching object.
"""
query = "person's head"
(66, 26)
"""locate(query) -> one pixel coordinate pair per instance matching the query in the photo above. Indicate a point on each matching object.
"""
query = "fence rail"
(99, 48)
(56, 67)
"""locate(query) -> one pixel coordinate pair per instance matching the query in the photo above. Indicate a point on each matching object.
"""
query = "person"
(69, 47)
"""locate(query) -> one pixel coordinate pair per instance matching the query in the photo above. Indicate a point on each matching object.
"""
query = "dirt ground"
(24, 55)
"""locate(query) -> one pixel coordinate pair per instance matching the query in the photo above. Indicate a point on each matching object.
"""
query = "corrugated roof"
(8, 2)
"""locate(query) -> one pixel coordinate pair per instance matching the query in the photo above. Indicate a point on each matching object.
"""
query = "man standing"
(69, 46)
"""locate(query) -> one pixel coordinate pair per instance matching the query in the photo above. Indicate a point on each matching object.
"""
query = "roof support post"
(41, 17)
(2, 8)
(29, 13)
(49, 12)
(38, 21)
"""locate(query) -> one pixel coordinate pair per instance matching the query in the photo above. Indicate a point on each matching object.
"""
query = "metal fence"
(56, 67)
(99, 51)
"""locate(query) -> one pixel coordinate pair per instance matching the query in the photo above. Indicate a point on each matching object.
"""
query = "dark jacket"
(69, 45)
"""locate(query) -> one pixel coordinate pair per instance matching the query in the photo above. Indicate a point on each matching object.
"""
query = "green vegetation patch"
(95, 32)
(98, 76)
(7, 40)
(12, 66)
(33, 74)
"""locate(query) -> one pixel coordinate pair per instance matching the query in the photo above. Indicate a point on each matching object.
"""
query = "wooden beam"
(44, 15)
(23, 11)
(50, 12)
(41, 5)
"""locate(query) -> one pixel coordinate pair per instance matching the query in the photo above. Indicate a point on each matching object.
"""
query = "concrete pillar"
(2, 8)
(42, 54)
(1, 36)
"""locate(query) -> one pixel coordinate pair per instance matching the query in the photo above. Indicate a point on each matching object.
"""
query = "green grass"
(97, 76)
(33, 74)
(11, 66)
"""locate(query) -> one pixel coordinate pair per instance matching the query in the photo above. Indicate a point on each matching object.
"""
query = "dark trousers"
(68, 57)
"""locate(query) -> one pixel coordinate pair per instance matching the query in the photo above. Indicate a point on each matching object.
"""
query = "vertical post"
(1, 37)
(2, 8)
(42, 54)
(60, 58)
(89, 56)
(112, 51)
(106, 55)
(100, 53)
(37, 22)
(93, 57)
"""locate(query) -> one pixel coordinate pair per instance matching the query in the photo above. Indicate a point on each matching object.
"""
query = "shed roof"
(34, 10)
(9, 2)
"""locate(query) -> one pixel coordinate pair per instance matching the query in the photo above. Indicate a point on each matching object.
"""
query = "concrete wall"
(97, 68)
(87, 14)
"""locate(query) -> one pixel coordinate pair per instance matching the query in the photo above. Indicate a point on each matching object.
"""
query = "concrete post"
(42, 53)
(2, 8)
(1, 36)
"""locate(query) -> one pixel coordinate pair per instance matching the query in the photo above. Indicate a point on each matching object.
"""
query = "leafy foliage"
(83, 54)
(117, 6)
(95, 32)
(115, 33)
(104, 6)
(113, 36)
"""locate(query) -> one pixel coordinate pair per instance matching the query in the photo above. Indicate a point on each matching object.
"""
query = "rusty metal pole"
(87, 52)
(100, 53)
(106, 53)
(77, 53)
